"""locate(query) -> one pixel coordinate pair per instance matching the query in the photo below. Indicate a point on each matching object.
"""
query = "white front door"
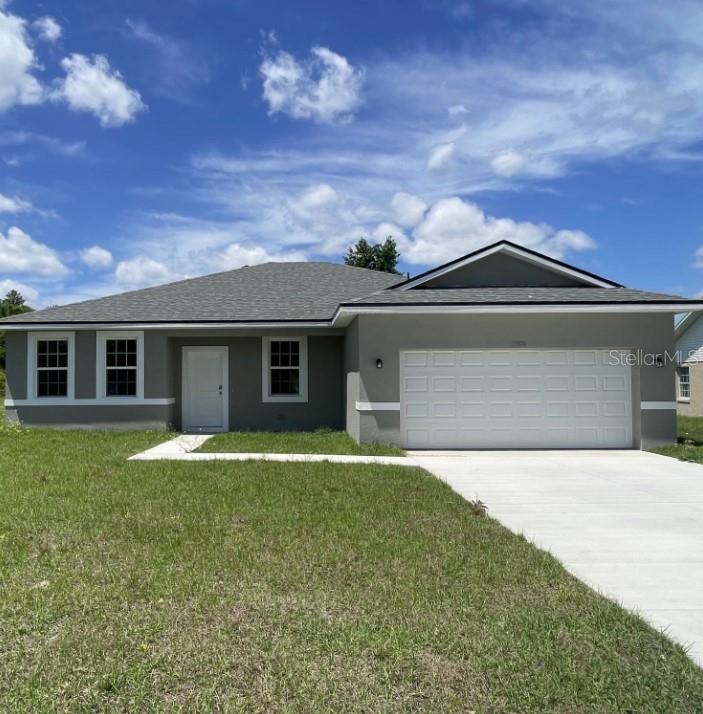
(205, 389)
(514, 399)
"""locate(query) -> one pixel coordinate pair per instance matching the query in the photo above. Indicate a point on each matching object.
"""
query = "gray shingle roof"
(514, 296)
(304, 292)
(270, 292)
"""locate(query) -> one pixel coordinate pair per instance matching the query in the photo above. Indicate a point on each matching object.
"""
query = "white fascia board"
(131, 326)
(684, 323)
(518, 253)
(344, 313)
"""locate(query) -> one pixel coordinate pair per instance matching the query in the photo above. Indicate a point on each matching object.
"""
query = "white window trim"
(32, 339)
(679, 398)
(266, 396)
(100, 364)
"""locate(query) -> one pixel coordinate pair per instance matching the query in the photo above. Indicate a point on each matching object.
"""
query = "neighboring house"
(502, 348)
(689, 370)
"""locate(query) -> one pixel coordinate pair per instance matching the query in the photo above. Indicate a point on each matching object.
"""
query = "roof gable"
(505, 264)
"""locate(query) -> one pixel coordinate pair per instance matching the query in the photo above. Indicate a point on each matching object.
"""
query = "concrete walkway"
(627, 523)
(181, 449)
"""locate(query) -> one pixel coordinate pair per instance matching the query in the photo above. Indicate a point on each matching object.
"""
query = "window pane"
(121, 353)
(285, 353)
(684, 384)
(285, 381)
(121, 383)
(52, 353)
(52, 383)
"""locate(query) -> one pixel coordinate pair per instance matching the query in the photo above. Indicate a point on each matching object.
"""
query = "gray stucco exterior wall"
(85, 364)
(351, 369)
(247, 411)
(16, 365)
(342, 370)
(162, 380)
(385, 336)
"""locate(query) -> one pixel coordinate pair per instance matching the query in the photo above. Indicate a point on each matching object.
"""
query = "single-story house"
(501, 348)
(689, 372)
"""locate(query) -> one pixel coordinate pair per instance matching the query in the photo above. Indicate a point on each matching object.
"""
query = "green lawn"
(260, 587)
(690, 443)
(322, 441)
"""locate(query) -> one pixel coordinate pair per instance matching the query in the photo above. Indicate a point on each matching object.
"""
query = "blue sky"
(139, 146)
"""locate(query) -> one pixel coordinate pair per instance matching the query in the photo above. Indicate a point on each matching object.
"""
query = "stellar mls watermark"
(641, 358)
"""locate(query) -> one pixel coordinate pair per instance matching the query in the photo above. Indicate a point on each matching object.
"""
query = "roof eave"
(168, 325)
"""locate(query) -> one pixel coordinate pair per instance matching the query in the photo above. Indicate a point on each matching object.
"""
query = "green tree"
(380, 256)
(12, 304)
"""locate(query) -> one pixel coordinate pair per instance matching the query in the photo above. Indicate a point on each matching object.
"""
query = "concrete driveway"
(627, 523)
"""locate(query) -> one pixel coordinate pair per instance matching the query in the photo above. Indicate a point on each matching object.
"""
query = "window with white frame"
(120, 365)
(684, 384)
(285, 369)
(51, 365)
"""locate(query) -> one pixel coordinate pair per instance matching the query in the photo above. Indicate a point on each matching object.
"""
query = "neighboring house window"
(285, 369)
(684, 384)
(51, 365)
(120, 365)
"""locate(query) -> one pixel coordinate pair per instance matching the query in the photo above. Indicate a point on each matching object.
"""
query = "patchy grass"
(262, 587)
(689, 446)
(321, 441)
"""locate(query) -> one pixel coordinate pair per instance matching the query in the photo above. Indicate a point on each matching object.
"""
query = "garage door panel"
(416, 384)
(415, 359)
(556, 383)
(515, 399)
(500, 384)
(586, 383)
(557, 409)
(473, 409)
(443, 384)
(471, 359)
(615, 409)
(443, 359)
(472, 384)
(443, 410)
(416, 409)
(586, 409)
(614, 383)
(528, 384)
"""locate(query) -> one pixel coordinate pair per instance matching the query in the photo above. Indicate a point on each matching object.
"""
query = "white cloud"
(47, 28)
(51, 143)
(508, 164)
(325, 88)
(142, 271)
(20, 254)
(236, 255)
(97, 258)
(698, 258)
(313, 200)
(407, 209)
(13, 205)
(30, 295)
(17, 62)
(453, 227)
(91, 85)
(457, 110)
(442, 157)
(176, 67)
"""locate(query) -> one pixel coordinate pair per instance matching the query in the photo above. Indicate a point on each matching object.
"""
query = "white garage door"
(485, 399)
